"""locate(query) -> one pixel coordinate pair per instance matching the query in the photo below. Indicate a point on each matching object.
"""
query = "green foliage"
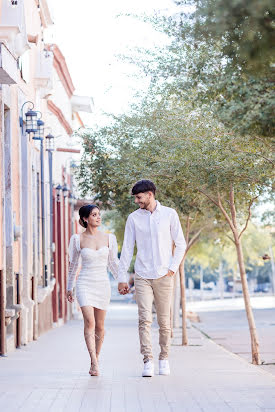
(246, 28)
(115, 222)
(184, 151)
(219, 55)
(179, 136)
(210, 251)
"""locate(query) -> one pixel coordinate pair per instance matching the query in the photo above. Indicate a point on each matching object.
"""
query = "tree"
(231, 175)
(191, 161)
(202, 130)
(219, 55)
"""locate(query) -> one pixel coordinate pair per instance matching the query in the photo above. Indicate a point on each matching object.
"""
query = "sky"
(91, 34)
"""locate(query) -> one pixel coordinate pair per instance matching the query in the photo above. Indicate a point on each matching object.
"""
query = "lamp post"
(50, 142)
(58, 193)
(70, 199)
(59, 269)
(38, 134)
(65, 190)
(50, 149)
(31, 119)
(36, 127)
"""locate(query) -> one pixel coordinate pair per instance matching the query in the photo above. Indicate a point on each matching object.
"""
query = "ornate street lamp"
(58, 192)
(71, 199)
(31, 119)
(39, 135)
(65, 190)
(50, 142)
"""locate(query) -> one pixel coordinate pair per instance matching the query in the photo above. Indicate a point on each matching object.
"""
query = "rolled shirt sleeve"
(178, 238)
(127, 250)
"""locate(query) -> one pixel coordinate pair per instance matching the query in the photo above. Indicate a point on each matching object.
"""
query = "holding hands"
(123, 288)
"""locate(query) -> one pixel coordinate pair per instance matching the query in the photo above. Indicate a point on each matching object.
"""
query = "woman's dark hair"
(85, 211)
(143, 186)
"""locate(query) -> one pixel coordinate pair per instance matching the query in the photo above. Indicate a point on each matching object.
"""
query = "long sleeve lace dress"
(92, 285)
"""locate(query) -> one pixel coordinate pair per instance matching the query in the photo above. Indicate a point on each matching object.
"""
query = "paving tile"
(51, 374)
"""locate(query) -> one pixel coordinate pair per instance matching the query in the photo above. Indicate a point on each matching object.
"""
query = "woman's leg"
(99, 329)
(89, 335)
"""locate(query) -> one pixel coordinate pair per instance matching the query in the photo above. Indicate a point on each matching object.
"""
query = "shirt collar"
(157, 209)
(158, 206)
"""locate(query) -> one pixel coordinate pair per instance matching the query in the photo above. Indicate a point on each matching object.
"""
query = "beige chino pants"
(160, 291)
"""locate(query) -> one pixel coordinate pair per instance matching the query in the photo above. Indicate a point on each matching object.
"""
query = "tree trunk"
(256, 360)
(249, 313)
(177, 298)
(232, 222)
(183, 303)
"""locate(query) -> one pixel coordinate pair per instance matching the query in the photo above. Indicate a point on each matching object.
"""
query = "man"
(154, 228)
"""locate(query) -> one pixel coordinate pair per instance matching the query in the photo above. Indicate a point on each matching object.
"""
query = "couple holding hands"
(154, 229)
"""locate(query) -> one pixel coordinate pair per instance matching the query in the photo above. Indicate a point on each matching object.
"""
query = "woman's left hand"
(70, 296)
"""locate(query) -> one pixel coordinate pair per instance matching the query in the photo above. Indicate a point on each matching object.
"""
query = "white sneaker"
(164, 368)
(148, 370)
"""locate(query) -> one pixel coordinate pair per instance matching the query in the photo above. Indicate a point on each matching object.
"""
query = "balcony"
(13, 28)
(44, 71)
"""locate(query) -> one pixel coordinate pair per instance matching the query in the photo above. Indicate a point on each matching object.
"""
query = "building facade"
(36, 173)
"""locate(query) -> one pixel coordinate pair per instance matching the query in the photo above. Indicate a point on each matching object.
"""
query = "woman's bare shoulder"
(105, 235)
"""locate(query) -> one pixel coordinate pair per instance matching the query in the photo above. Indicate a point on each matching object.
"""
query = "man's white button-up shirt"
(154, 233)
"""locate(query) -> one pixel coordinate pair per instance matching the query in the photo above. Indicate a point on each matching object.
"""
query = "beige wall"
(1, 185)
(24, 255)
(25, 164)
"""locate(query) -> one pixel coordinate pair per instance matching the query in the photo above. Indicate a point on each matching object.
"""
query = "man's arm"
(178, 238)
(127, 250)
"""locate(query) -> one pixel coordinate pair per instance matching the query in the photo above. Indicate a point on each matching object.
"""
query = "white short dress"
(92, 285)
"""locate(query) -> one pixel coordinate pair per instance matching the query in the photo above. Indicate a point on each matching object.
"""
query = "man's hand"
(123, 288)
(170, 273)
(70, 296)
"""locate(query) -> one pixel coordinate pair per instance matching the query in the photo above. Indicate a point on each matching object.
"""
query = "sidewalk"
(52, 374)
(225, 322)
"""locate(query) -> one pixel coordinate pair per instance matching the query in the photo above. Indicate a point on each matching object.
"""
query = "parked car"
(262, 287)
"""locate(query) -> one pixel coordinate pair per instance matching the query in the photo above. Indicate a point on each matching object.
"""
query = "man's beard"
(144, 205)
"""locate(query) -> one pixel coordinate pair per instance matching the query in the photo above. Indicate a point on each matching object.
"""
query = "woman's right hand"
(70, 296)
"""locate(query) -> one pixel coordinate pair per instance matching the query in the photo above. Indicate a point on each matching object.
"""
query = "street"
(51, 374)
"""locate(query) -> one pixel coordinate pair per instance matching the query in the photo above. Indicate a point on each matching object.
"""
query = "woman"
(98, 251)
